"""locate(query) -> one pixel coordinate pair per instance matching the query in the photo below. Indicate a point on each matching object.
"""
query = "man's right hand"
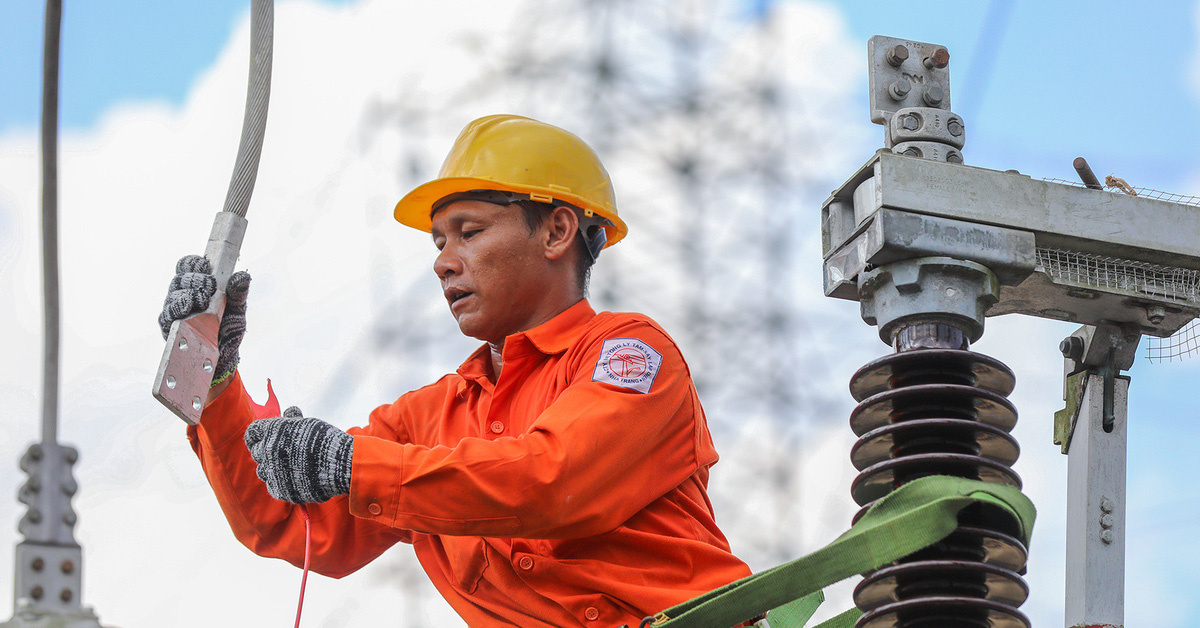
(190, 292)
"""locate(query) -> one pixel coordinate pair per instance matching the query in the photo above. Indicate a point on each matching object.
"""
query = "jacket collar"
(551, 337)
(559, 333)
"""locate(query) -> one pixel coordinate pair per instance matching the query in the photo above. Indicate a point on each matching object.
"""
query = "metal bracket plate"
(185, 372)
(906, 73)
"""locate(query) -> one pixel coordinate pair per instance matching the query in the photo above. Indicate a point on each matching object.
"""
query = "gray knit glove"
(302, 460)
(190, 291)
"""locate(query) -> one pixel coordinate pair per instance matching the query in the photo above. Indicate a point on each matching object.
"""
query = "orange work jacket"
(570, 492)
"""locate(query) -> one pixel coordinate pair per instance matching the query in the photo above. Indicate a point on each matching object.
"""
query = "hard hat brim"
(415, 208)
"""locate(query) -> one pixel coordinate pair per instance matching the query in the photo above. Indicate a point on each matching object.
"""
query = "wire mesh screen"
(1181, 344)
(1160, 281)
(1115, 185)
(1181, 285)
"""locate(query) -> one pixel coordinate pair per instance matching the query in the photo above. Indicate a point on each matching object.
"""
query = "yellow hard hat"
(523, 156)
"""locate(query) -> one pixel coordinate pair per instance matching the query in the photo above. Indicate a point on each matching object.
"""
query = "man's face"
(493, 271)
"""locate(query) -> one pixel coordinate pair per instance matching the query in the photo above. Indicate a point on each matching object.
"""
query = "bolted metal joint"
(927, 289)
(933, 151)
(926, 124)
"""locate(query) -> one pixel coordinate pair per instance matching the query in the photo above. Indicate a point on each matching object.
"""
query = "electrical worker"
(558, 478)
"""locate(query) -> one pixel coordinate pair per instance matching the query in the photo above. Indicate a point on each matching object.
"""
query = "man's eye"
(467, 235)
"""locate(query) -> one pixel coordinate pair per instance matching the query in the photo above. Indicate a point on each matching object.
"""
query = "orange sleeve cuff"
(226, 417)
(375, 478)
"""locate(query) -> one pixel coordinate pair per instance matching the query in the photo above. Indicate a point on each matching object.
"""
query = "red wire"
(307, 552)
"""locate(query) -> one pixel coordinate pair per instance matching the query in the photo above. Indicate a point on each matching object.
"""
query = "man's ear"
(560, 232)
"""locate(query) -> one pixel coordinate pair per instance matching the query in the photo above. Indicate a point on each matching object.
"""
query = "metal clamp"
(185, 372)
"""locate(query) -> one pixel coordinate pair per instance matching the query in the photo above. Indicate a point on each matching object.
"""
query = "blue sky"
(1032, 79)
(1038, 84)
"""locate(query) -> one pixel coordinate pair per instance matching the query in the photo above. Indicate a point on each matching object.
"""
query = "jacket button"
(374, 509)
(525, 563)
(591, 613)
(497, 427)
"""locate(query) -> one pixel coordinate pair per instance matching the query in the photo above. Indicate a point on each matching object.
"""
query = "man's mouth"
(453, 295)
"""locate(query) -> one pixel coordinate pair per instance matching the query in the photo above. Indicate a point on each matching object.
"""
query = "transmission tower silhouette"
(690, 107)
(687, 105)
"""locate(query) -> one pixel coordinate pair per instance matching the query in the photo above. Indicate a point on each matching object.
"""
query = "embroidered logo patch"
(627, 362)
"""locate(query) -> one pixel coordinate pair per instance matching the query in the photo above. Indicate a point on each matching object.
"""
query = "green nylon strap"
(797, 612)
(845, 620)
(910, 518)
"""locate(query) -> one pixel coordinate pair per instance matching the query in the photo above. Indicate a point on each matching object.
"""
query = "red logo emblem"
(627, 363)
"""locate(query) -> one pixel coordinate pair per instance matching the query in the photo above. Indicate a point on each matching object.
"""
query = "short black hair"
(536, 213)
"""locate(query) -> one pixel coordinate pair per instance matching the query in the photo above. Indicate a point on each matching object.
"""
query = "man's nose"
(446, 263)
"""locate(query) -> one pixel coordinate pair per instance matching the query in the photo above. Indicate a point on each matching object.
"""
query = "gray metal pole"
(50, 351)
(48, 579)
(1095, 585)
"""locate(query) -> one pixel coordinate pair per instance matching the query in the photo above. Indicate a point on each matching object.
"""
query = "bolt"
(66, 595)
(912, 151)
(36, 593)
(70, 455)
(897, 55)
(1072, 349)
(35, 515)
(67, 567)
(1107, 537)
(1155, 314)
(955, 126)
(933, 95)
(899, 89)
(910, 122)
(35, 452)
(1106, 504)
(954, 157)
(1106, 521)
(38, 564)
(70, 518)
(939, 59)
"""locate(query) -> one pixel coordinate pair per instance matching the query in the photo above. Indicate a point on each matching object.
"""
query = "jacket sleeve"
(595, 457)
(341, 543)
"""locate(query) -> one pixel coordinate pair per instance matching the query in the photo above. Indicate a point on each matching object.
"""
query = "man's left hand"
(302, 460)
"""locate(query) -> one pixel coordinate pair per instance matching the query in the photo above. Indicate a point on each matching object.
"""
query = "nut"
(933, 95)
(910, 122)
(939, 59)
(955, 127)
(897, 55)
(899, 89)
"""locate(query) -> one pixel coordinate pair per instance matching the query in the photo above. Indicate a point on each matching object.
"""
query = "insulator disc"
(987, 546)
(928, 366)
(995, 548)
(934, 435)
(944, 612)
(934, 578)
(880, 479)
(933, 401)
